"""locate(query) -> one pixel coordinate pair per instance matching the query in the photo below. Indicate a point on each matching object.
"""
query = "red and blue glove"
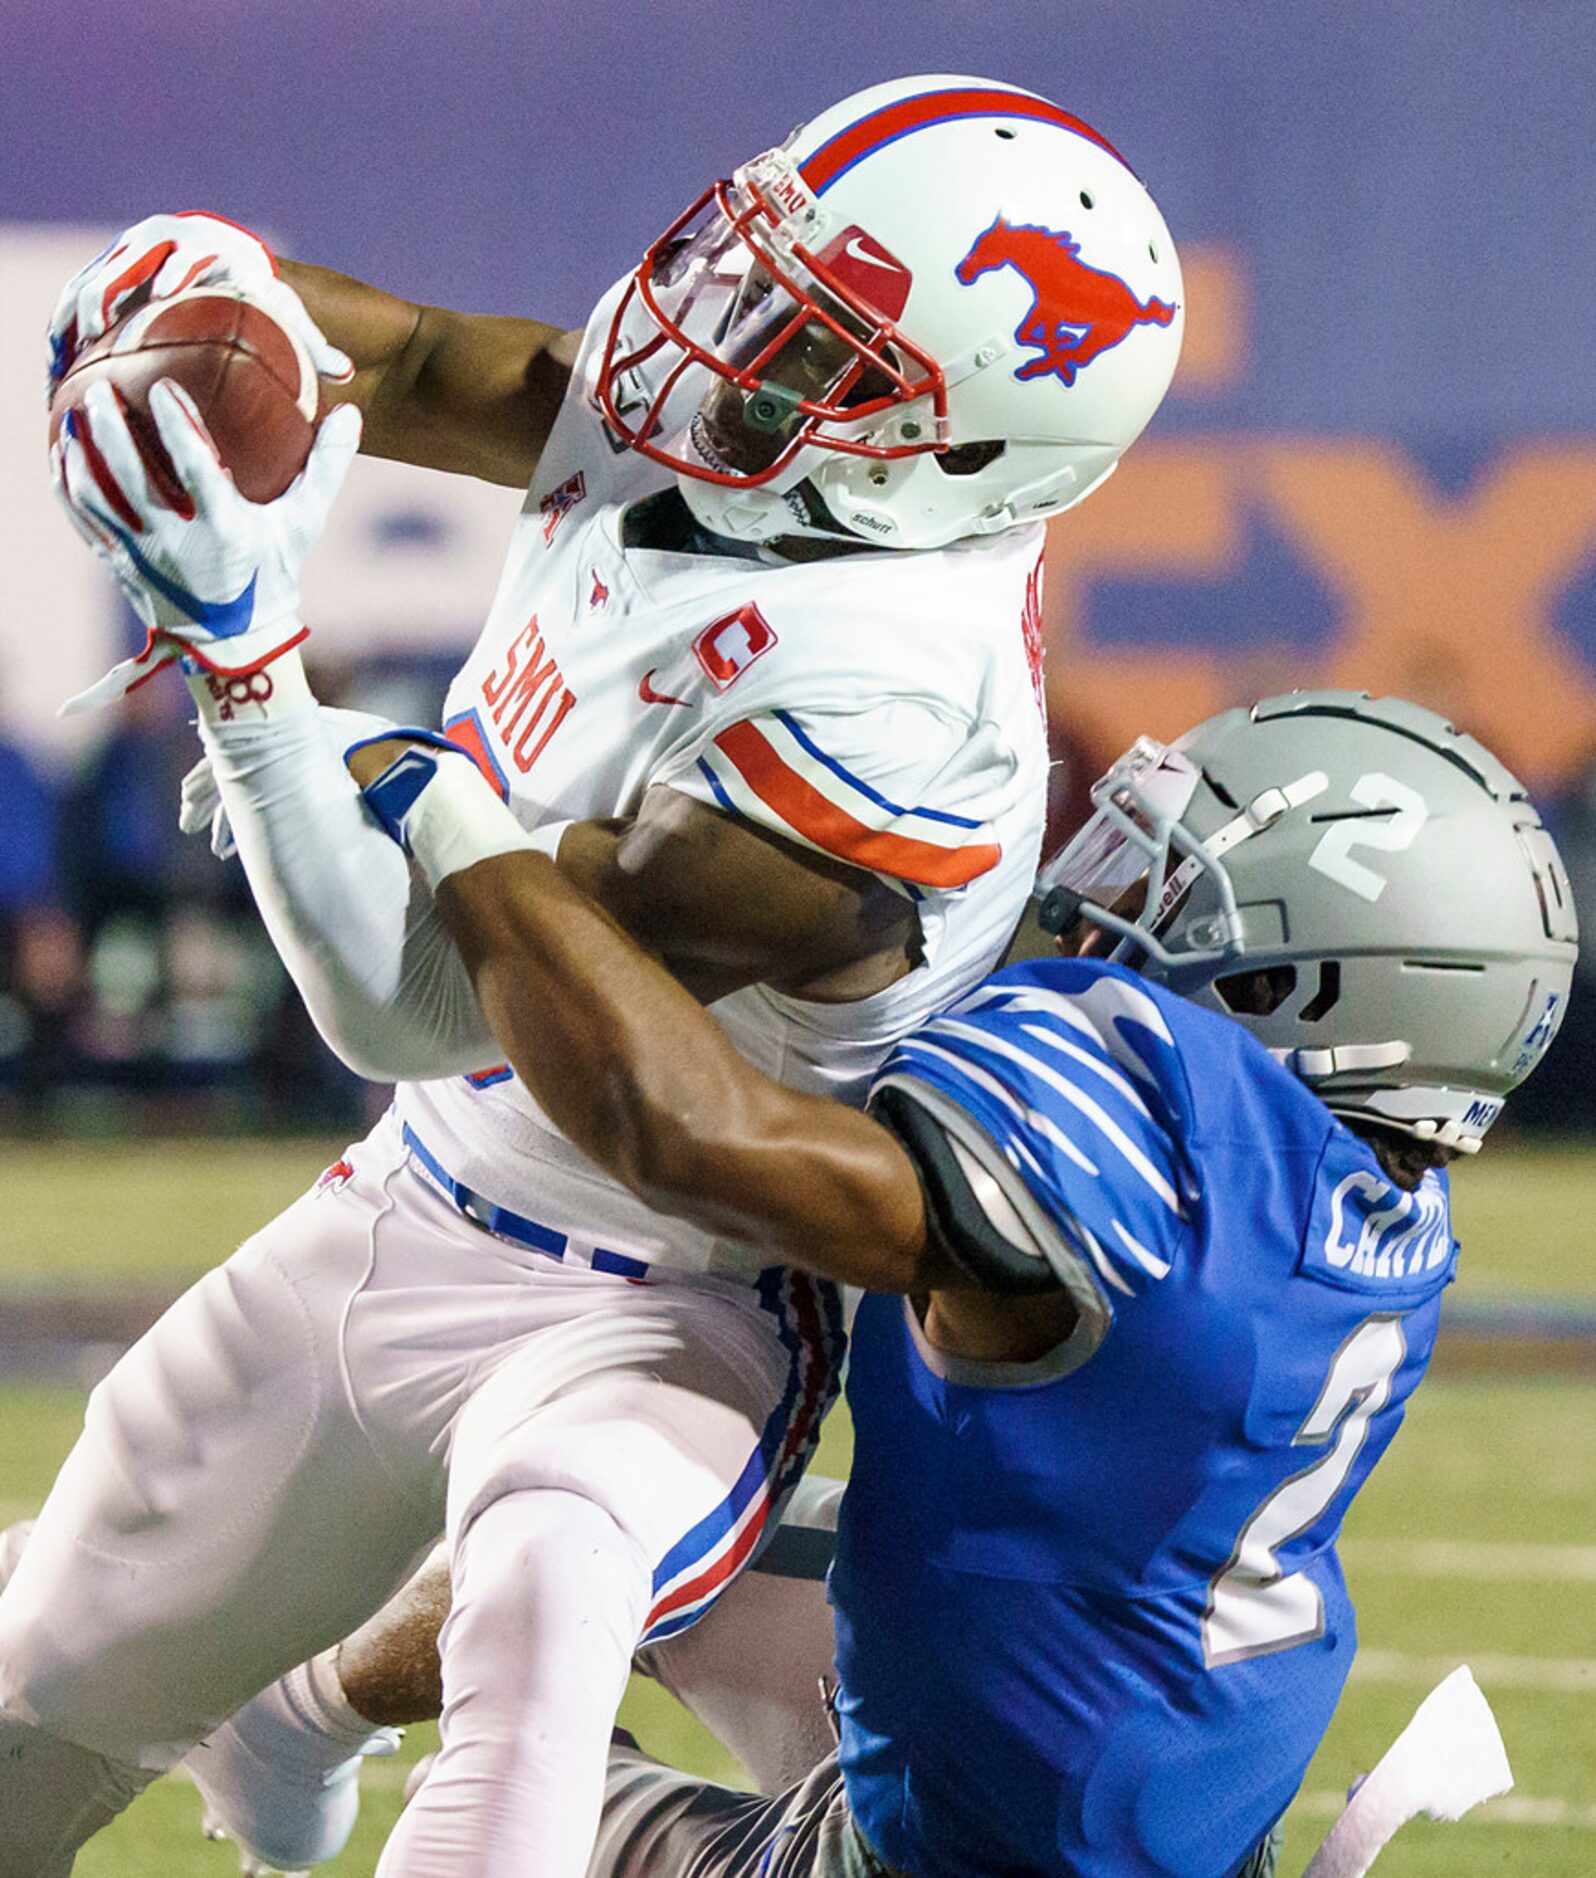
(217, 585)
(163, 254)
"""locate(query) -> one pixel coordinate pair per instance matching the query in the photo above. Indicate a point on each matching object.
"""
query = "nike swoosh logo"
(649, 695)
(222, 619)
(857, 251)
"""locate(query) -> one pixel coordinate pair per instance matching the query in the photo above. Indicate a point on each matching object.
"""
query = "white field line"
(1489, 1559)
(1474, 1558)
(1513, 1809)
(1550, 1675)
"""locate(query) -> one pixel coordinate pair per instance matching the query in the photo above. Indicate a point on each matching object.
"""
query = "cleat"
(248, 1865)
(268, 1789)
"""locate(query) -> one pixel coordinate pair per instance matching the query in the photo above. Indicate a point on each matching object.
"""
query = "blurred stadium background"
(1377, 467)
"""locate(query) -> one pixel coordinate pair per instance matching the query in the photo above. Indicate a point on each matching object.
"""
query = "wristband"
(277, 690)
(443, 813)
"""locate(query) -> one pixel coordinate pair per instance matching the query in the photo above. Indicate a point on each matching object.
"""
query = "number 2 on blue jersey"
(1253, 1608)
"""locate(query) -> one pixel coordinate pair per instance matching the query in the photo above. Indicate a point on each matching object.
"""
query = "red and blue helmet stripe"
(903, 116)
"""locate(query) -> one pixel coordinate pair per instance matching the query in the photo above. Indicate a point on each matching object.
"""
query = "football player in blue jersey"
(1174, 1232)
(1168, 1224)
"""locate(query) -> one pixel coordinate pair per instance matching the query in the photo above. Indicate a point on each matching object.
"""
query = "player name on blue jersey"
(1370, 1236)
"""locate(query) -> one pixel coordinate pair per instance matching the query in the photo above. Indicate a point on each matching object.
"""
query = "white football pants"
(266, 1467)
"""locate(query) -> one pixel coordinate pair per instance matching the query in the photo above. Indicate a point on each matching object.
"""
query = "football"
(252, 381)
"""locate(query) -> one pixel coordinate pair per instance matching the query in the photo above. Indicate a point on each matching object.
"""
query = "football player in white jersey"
(763, 673)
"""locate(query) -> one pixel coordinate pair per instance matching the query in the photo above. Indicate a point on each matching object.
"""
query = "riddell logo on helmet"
(1078, 312)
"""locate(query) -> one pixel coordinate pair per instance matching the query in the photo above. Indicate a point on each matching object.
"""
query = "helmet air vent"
(1221, 791)
(1551, 884)
(968, 459)
(1256, 993)
(1326, 998)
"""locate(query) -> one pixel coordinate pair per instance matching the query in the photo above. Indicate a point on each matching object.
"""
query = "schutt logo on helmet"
(1078, 312)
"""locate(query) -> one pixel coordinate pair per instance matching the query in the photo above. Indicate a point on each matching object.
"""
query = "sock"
(314, 1695)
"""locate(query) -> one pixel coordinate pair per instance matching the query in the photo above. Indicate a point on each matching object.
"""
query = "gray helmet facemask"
(1395, 872)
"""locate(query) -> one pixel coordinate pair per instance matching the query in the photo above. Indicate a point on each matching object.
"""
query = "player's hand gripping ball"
(196, 301)
(166, 255)
(213, 574)
(251, 380)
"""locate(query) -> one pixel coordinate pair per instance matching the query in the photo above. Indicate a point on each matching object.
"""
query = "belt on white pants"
(515, 1227)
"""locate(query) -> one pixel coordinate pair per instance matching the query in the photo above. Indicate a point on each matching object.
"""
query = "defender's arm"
(619, 1054)
(726, 904)
(468, 392)
(623, 1058)
(634, 1072)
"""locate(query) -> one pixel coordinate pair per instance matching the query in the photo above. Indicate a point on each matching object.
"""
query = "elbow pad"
(969, 1215)
(982, 1213)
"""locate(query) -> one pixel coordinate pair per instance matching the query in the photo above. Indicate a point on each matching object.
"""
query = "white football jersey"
(883, 708)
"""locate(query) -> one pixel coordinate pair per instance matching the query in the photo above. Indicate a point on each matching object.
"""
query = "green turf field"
(1476, 1540)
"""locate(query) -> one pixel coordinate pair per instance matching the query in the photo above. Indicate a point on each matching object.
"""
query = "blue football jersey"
(1090, 1617)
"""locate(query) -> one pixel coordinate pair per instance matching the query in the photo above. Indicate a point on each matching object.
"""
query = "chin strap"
(1452, 1118)
(751, 517)
(1313, 1065)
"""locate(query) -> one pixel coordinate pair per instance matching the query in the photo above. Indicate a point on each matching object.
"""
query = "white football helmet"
(942, 308)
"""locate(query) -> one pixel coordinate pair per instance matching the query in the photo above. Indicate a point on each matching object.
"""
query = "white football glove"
(166, 253)
(219, 585)
(200, 810)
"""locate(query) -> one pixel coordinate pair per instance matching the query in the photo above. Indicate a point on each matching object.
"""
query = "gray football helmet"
(1365, 888)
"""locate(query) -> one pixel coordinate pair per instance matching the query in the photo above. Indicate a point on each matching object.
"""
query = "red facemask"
(789, 345)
